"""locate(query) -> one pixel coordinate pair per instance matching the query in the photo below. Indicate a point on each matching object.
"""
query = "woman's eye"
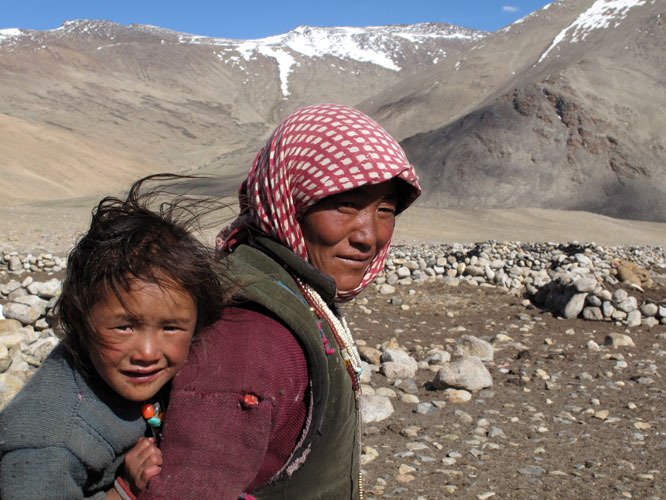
(345, 204)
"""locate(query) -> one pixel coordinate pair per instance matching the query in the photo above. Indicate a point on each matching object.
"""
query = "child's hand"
(142, 463)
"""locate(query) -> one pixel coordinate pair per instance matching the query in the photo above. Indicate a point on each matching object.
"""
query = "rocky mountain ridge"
(123, 101)
(560, 110)
(568, 122)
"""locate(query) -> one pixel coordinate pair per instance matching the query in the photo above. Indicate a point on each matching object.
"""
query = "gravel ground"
(562, 420)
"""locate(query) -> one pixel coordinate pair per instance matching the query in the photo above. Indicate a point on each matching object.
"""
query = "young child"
(138, 286)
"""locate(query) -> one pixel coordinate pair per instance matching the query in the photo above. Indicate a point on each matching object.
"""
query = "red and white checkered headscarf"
(317, 151)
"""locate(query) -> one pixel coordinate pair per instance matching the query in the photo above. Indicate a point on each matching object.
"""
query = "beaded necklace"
(153, 413)
(340, 330)
(348, 351)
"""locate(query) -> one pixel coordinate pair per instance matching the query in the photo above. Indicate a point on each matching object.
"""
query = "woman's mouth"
(356, 264)
(356, 260)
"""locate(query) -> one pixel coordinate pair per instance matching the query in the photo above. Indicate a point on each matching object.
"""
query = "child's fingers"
(149, 473)
(150, 469)
(141, 445)
(143, 462)
(149, 455)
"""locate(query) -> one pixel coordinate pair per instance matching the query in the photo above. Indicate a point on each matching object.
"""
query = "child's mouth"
(142, 376)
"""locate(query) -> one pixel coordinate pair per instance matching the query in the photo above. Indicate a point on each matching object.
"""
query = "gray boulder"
(375, 408)
(24, 313)
(468, 345)
(574, 306)
(50, 289)
(593, 314)
(627, 305)
(466, 373)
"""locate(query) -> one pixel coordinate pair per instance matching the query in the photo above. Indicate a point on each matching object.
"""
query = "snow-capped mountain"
(166, 100)
(383, 46)
(388, 47)
(602, 15)
(571, 118)
(562, 109)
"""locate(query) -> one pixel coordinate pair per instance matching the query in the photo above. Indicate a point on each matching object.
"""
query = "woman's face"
(344, 232)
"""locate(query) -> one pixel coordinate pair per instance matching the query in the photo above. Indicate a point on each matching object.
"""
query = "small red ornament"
(148, 411)
(250, 401)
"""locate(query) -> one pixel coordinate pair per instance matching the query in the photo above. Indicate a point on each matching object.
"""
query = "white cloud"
(510, 8)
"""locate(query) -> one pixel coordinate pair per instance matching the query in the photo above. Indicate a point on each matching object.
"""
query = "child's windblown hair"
(126, 241)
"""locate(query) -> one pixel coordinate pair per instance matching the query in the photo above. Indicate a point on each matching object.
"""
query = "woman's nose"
(365, 229)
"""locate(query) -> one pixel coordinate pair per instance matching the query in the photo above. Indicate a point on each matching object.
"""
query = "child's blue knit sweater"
(64, 436)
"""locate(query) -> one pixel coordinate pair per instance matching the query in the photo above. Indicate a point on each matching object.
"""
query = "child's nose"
(147, 349)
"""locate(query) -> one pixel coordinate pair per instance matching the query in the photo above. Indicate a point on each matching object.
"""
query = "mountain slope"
(562, 109)
(579, 126)
(171, 101)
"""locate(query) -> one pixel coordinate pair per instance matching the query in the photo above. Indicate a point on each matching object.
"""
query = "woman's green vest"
(324, 465)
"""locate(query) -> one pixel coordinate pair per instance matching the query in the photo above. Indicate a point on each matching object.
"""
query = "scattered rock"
(468, 373)
(619, 340)
(469, 345)
(375, 408)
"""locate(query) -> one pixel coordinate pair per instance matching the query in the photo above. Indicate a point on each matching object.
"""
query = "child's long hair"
(127, 241)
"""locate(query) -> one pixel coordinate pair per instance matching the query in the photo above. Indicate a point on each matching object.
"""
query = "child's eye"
(172, 328)
(123, 328)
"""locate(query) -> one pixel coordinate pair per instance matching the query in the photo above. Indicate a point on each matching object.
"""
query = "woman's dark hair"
(127, 241)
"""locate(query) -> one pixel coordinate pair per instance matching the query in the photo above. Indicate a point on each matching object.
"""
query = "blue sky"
(245, 19)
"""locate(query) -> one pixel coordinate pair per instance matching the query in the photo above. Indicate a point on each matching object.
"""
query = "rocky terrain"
(471, 388)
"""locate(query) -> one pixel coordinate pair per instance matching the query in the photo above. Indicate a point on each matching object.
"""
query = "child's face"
(144, 338)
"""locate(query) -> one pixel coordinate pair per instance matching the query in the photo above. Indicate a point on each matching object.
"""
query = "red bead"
(147, 411)
(250, 401)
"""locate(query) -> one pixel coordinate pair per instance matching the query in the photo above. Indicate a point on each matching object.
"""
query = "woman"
(267, 403)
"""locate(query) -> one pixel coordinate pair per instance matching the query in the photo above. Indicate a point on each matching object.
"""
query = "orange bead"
(250, 400)
(147, 411)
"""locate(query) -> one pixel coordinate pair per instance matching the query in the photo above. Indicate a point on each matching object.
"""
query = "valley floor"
(54, 226)
(562, 419)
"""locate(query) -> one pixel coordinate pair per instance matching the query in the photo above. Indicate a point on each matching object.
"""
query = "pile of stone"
(572, 297)
(569, 279)
(26, 335)
(459, 372)
(15, 263)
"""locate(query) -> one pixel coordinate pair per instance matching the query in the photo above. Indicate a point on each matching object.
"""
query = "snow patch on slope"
(384, 46)
(601, 15)
(9, 34)
(373, 44)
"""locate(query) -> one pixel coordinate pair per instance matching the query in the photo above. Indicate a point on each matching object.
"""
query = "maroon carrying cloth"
(215, 446)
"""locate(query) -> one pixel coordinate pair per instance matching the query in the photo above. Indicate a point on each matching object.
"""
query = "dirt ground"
(573, 422)
(561, 420)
